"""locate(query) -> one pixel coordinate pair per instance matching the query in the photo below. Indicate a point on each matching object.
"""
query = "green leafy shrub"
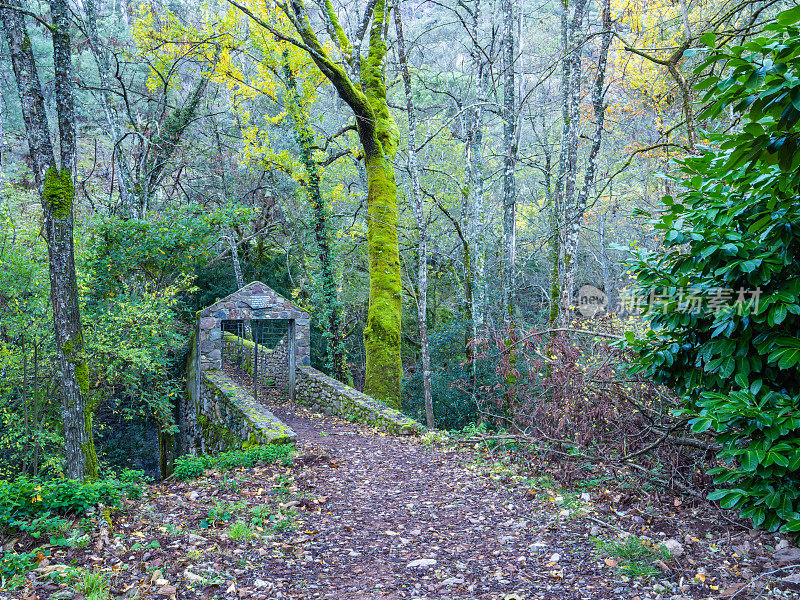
(35, 506)
(733, 238)
(190, 467)
(221, 512)
(13, 563)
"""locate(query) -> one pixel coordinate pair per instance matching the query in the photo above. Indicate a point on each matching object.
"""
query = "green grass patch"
(635, 557)
(190, 467)
(241, 531)
(94, 586)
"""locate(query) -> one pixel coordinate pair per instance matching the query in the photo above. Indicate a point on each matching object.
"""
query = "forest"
(560, 235)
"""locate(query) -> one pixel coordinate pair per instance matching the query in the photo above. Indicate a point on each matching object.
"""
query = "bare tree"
(419, 217)
(509, 112)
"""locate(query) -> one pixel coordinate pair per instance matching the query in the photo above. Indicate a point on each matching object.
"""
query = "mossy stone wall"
(326, 395)
(228, 417)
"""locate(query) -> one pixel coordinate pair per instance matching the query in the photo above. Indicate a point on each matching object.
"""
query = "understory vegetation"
(563, 236)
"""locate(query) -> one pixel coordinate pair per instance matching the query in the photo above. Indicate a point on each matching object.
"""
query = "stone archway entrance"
(217, 411)
(272, 333)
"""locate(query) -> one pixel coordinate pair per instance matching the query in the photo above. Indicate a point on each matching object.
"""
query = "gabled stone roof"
(256, 296)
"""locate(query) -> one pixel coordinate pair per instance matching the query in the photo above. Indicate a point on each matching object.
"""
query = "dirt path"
(360, 515)
(392, 503)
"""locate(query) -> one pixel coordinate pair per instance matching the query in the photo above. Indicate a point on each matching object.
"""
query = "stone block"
(208, 323)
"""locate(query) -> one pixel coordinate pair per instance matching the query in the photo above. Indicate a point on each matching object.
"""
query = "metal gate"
(259, 353)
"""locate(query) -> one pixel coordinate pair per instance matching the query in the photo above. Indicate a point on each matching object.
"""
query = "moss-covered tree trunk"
(382, 332)
(361, 83)
(58, 193)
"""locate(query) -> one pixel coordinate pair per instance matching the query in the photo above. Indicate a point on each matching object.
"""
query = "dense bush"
(453, 405)
(191, 467)
(33, 506)
(732, 240)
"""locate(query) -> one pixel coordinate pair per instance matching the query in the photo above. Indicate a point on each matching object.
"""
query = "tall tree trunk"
(579, 207)
(58, 193)
(568, 161)
(331, 307)
(475, 249)
(382, 334)
(379, 136)
(509, 159)
(419, 217)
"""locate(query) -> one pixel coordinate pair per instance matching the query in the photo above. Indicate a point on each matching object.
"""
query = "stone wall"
(227, 417)
(273, 365)
(329, 396)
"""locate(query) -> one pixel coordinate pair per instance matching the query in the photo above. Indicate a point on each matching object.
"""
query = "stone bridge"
(219, 412)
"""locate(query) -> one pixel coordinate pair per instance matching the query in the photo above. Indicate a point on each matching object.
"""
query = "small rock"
(196, 539)
(586, 497)
(674, 547)
(594, 531)
(506, 539)
(192, 576)
(453, 581)
(261, 584)
(193, 496)
(422, 563)
(157, 574)
(782, 545)
(167, 590)
(555, 557)
(787, 555)
(160, 582)
(415, 532)
(792, 581)
(353, 553)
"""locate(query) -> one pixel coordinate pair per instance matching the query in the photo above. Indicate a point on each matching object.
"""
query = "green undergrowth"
(634, 557)
(43, 511)
(35, 506)
(193, 467)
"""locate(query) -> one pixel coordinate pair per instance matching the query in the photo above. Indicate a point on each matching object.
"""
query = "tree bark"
(58, 192)
(419, 217)
(578, 209)
(509, 160)
(568, 161)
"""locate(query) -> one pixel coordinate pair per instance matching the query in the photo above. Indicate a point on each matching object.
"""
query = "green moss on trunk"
(58, 192)
(382, 332)
(89, 452)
